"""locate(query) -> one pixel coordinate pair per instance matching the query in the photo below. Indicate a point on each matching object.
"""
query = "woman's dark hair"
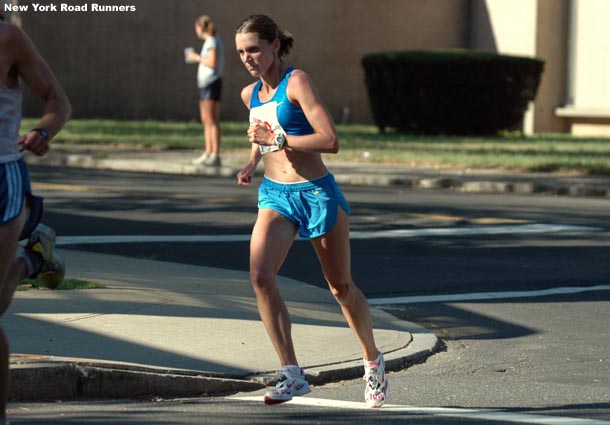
(206, 24)
(267, 29)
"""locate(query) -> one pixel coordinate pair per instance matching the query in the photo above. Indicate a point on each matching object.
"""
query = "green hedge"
(450, 92)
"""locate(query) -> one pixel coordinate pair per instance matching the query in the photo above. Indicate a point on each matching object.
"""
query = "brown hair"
(206, 24)
(267, 29)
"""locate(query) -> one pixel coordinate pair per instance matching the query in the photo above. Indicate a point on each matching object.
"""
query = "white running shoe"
(287, 386)
(200, 160)
(376, 389)
(53, 269)
(213, 160)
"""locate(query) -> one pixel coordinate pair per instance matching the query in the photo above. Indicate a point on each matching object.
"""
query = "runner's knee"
(262, 280)
(341, 289)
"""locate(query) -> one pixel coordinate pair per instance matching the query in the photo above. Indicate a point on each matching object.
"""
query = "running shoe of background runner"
(53, 269)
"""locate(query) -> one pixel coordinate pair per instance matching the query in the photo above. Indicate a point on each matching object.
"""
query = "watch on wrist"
(44, 133)
(280, 140)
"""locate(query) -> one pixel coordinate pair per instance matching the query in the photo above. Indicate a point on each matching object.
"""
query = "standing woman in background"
(209, 82)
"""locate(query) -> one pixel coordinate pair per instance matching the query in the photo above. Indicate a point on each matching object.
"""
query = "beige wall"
(591, 55)
(586, 110)
(130, 65)
(494, 23)
(552, 45)
(573, 38)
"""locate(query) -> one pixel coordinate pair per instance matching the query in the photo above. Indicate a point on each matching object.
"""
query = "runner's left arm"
(302, 92)
(33, 69)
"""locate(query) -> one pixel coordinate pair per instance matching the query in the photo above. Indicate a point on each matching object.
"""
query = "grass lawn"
(67, 284)
(543, 152)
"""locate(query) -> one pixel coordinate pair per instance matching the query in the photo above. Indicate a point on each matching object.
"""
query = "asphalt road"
(97, 203)
(541, 356)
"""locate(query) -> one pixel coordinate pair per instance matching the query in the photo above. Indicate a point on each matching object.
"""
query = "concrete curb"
(69, 380)
(43, 378)
(497, 185)
(66, 379)
(134, 165)
(366, 174)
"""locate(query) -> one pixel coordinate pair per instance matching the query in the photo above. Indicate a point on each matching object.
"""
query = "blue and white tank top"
(279, 110)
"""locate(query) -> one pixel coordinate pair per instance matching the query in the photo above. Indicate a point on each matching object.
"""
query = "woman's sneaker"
(200, 160)
(287, 386)
(376, 389)
(213, 160)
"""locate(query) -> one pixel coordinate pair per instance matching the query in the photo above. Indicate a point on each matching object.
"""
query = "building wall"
(131, 64)
(591, 55)
(573, 37)
(493, 29)
(587, 108)
(552, 45)
(494, 23)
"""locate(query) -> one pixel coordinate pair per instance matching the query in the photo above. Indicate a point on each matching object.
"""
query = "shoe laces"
(281, 379)
(372, 378)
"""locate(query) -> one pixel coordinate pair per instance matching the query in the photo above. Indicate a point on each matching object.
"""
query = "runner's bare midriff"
(291, 166)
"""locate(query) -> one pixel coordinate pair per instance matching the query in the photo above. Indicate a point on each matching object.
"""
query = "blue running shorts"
(312, 206)
(14, 188)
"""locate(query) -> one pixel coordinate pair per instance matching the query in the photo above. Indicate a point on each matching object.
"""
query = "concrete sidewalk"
(361, 173)
(166, 329)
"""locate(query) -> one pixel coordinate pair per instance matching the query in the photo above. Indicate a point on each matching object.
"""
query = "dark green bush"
(450, 92)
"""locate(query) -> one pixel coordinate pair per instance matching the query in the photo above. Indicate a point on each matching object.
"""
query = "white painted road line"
(474, 231)
(490, 415)
(398, 233)
(477, 296)
(108, 239)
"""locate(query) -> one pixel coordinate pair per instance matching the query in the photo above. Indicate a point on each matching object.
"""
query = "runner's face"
(199, 31)
(257, 55)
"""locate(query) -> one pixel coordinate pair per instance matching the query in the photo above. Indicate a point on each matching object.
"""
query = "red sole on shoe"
(271, 401)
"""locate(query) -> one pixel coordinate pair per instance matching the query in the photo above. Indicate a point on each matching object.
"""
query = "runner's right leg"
(272, 237)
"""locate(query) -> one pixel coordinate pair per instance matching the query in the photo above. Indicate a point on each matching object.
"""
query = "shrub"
(451, 91)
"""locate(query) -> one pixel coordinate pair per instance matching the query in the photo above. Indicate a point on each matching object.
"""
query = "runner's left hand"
(34, 143)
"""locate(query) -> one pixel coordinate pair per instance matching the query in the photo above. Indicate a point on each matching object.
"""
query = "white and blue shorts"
(15, 188)
(312, 205)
